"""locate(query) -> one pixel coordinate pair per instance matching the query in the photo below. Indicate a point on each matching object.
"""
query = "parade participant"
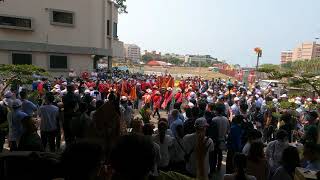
(178, 97)
(156, 103)
(126, 111)
(167, 100)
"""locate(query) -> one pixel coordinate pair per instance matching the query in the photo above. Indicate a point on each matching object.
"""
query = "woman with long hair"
(165, 142)
(240, 164)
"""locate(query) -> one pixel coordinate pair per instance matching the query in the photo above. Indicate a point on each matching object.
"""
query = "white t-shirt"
(48, 115)
(189, 143)
(164, 149)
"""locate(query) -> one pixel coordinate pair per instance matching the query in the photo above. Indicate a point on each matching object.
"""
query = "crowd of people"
(197, 122)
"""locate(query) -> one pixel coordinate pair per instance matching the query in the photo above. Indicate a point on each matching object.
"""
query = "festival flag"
(124, 88)
(133, 93)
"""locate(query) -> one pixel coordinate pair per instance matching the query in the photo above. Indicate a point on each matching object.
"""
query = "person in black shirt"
(71, 103)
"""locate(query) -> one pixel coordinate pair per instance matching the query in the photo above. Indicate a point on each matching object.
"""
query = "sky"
(226, 29)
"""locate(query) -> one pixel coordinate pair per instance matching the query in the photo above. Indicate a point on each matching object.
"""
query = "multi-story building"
(304, 51)
(153, 54)
(132, 53)
(286, 56)
(59, 35)
(199, 59)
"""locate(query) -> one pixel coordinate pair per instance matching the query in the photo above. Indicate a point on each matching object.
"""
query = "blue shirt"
(15, 125)
(28, 107)
(174, 125)
(235, 137)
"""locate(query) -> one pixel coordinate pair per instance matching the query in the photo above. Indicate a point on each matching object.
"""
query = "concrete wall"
(88, 31)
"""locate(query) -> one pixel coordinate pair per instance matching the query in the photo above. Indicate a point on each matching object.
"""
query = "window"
(19, 58)
(63, 18)
(108, 27)
(115, 30)
(12, 22)
(58, 62)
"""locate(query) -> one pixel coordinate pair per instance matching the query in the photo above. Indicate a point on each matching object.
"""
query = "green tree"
(146, 58)
(174, 60)
(296, 75)
(19, 74)
(122, 6)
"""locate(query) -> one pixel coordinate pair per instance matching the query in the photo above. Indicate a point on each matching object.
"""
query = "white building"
(132, 52)
(58, 35)
(199, 59)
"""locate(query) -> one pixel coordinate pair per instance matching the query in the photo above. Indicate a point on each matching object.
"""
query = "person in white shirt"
(49, 115)
(275, 148)
(165, 142)
(190, 142)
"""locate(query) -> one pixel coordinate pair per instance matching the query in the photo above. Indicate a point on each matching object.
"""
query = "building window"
(20, 58)
(108, 27)
(58, 62)
(14, 22)
(62, 18)
(115, 30)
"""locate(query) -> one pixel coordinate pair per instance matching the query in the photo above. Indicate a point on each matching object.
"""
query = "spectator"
(176, 121)
(30, 140)
(287, 126)
(254, 136)
(71, 104)
(27, 106)
(190, 142)
(82, 161)
(311, 153)
(49, 115)
(165, 142)
(234, 142)
(240, 163)
(15, 119)
(257, 164)
(275, 149)
(177, 151)
(289, 161)
(223, 128)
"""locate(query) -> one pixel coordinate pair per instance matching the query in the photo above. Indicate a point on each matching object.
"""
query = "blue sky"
(227, 29)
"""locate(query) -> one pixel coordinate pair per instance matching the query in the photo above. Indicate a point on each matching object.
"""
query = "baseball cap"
(201, 123)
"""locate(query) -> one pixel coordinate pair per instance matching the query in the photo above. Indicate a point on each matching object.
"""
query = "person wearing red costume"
(178, 97)
(156, 103)
(167, 100)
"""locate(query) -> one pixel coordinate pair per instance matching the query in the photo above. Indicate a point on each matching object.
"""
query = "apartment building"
(59, 35)
(132, 53)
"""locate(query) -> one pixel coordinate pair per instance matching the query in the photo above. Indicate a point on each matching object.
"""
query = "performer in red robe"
(156, 103)
(167, 100)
